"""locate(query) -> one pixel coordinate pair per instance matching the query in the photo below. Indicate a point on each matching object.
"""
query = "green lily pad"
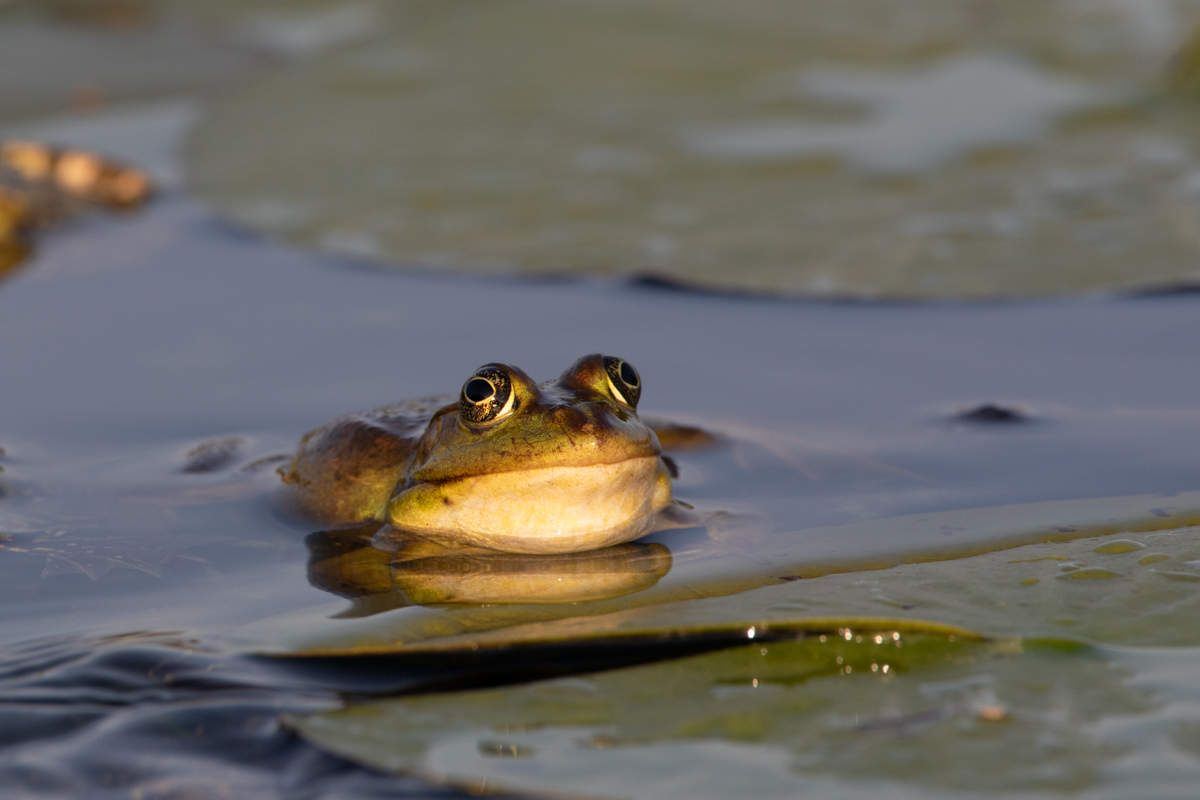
(1057, 701)
(1001, 570)
(929, 716)
(752, 146)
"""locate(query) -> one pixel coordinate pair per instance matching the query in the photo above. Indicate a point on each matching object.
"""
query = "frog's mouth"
(557, 509)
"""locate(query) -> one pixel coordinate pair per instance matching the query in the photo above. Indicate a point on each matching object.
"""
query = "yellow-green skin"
(571, 468)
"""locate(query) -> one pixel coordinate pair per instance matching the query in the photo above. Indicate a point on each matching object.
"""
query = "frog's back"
(346, 471)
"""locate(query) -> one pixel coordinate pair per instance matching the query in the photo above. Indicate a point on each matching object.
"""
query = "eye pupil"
(623, 380)
(629, 375)
(478, 390)
(487, 396)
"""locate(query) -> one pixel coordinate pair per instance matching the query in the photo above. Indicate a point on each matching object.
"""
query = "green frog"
(513, 465)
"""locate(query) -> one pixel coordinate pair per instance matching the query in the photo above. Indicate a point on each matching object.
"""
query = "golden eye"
(623, 380)
(487, 396)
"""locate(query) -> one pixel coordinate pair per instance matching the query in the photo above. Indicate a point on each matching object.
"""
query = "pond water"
(939, 546)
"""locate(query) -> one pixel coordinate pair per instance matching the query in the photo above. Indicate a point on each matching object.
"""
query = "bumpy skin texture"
(566, 466)
(344, 472)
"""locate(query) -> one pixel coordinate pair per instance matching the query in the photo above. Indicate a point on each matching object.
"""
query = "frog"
(511, 465)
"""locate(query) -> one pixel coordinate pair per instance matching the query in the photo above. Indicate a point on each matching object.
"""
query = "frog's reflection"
(346, 563)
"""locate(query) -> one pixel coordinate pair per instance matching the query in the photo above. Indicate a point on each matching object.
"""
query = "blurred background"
(876, 148)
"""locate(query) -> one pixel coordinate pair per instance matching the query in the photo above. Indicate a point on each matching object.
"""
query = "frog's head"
(559, 467)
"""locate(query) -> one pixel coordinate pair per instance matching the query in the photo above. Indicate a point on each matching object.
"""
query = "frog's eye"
(487, 396)
(623, 380)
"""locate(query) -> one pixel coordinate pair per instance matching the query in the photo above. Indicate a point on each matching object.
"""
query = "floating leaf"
(765, 147)
(804, 708)
(831, 717)
(928, 575)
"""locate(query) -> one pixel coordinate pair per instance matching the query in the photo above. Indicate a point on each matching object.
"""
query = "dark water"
(146, 716)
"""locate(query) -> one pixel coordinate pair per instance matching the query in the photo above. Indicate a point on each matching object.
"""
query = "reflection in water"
(346, 563)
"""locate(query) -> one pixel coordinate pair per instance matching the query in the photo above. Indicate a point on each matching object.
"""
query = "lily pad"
(928, 715)
(1010, 586)
(757, 146)
(805, 708)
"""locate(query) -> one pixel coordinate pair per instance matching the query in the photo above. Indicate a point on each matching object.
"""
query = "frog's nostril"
(569, 415)
(580, 421)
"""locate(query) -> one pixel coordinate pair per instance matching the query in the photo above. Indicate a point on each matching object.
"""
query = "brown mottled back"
(346, 471)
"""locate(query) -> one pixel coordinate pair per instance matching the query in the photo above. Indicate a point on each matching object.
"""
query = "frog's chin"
(564, 509)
